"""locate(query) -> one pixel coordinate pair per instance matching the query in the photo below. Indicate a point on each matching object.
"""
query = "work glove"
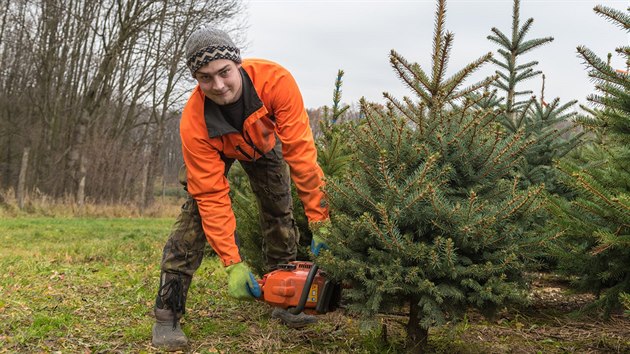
(320, 231)
(241, 282)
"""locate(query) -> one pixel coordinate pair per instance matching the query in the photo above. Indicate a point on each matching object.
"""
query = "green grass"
(76, 285)
(89, 284)
(73, 284)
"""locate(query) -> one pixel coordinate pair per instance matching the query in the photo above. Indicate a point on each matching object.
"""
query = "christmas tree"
(510, 72)
(333, 154)
(549, 125)
(430, 219)
(333, 151)
(596, 224)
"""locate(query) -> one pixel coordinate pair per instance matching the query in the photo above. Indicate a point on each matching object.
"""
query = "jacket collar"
(215, 121)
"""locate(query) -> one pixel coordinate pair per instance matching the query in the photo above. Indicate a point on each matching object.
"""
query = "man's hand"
(241, 282)
(320, 231)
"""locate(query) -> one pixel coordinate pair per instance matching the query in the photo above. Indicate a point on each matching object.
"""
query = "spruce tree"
(333, 151)
(510, 72)
(550, 125)
(333, 157)
(596, 223)
(247, 215)
(429, 219)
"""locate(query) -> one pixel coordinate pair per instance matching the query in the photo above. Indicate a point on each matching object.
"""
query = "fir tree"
(334, 158)
(511, 73)
(247, 216)
(548, 125)
(551, 127)
(596, 223)
(428, 217)
(333, 152)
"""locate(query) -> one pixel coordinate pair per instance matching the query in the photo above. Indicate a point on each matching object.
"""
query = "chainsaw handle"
(305, 291)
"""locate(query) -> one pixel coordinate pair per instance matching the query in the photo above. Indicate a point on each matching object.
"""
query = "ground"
(88, 285)
(550, 324)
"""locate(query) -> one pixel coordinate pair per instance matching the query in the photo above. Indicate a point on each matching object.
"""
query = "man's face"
(220, 80)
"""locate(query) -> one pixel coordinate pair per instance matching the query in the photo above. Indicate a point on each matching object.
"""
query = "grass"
(74, 283)
(87, 285)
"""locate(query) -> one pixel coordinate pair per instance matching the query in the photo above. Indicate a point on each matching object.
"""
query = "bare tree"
(92, 88)
(171, 33)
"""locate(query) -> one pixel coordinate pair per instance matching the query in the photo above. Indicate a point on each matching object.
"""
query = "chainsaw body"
(285, 287)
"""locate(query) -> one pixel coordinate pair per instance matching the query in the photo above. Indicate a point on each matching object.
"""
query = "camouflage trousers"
(270, 181)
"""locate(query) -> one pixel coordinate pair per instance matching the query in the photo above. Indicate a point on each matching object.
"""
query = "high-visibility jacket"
(273, 107)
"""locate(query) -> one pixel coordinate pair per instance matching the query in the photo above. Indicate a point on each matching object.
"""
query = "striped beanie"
(207, 44)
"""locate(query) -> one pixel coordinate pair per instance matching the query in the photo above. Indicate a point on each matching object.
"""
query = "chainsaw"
(300, 286)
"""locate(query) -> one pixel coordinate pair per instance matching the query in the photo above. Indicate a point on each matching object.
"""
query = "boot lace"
(172, 295)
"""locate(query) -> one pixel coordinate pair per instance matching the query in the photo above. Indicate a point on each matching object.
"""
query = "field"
(87, 285)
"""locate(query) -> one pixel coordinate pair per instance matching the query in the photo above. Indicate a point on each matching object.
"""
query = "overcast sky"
(315, 38)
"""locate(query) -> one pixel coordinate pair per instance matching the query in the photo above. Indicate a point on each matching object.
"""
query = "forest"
(94, 115)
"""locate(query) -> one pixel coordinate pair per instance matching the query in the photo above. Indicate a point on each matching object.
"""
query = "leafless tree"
(92, 88)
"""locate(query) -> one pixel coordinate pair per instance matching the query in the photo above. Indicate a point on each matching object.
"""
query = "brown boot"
(169, 308)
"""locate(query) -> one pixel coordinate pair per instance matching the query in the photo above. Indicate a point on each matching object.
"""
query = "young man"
(251, 111)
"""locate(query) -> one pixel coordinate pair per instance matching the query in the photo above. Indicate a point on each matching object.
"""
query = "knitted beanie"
(207, 44)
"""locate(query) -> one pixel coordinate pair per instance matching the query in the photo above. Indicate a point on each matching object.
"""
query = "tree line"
(90, 93)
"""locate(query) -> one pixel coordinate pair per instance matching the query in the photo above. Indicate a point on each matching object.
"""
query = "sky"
(316, 38)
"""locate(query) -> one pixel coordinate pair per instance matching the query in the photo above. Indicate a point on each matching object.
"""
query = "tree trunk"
(22, 178)
(81, 187)
(153, 163)
(8, 144)
(417, 336)
(144, 185)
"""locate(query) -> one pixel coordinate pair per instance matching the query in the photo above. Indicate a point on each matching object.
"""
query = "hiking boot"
(293, 321)
(167, 333)
(170, 305)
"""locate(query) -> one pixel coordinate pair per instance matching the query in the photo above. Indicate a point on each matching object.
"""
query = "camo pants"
(270, 182)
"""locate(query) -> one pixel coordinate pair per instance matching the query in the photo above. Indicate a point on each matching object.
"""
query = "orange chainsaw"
(300, 286)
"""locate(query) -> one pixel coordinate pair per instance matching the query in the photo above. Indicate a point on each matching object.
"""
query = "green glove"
(241, 282)
(320, 231)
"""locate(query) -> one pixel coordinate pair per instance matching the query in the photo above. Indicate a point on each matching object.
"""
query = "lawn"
(87, 285)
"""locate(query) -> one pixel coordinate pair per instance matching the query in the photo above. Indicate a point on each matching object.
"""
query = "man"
(251, 111)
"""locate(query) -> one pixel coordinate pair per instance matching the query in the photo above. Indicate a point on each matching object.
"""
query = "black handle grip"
(307, 288)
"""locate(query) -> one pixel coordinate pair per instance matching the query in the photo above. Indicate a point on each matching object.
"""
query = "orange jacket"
(274, 100)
